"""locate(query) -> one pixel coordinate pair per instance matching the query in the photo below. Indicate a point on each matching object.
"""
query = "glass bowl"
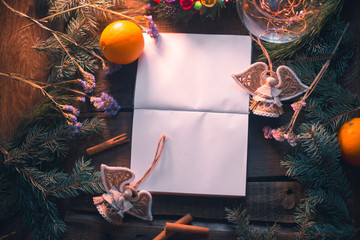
(278, 21)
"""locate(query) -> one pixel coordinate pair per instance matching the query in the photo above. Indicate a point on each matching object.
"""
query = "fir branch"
(51, 16)
(323, 215)
(241, 221)
(9, 199)
(82, 180)
(317, 165)
(76, 38)
(90, 127)
(34, 178)
(40, 146)
(344, 115)
(40, 214)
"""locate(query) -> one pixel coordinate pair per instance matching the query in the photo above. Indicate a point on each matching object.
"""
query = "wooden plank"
(265, 201)
(93, 227)
(17, 56)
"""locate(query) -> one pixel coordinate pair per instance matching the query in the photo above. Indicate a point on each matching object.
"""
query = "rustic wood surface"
(271, 196)
(17, 56)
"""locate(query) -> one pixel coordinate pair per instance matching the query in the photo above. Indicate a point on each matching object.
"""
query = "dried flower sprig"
(70, 113)
(106, 103)
(153, 30)
(282, 133)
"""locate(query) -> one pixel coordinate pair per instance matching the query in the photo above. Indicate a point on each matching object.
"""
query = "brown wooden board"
(92, 227)
(17, 56)
(270, 196)
(265, 201)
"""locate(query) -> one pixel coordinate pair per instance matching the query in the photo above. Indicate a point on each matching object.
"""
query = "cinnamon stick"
(165, 235)
(175, 227)
(123, 138)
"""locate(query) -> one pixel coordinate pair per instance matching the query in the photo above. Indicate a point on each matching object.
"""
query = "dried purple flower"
(267, 132)
(295, 106)
(68, 108)
(71, 108)
(76, 112)
(81, 99)
(88, 83)
(291, 139)
(106, 103)
(278, 135)
(153, 31)
(72, 122)
(75, 127)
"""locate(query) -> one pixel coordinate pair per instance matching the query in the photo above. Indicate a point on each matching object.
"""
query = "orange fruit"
(122, 42)
(349, 139)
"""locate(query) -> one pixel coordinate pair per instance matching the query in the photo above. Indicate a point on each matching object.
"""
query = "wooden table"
(271, 196)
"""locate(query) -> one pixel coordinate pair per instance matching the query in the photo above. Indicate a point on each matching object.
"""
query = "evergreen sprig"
(81, 44)
(241, 220)
(316, 164)
(37, 191)
(30, 187)
(88, 16)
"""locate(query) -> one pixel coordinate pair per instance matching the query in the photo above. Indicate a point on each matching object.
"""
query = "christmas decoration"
(278, 21)
(122, 196)
(208, 3)
(122, 42)
(269, 89)
(186, 4)
(349, 139)
(197, 5)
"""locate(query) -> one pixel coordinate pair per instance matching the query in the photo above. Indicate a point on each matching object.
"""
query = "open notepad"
(184, 89)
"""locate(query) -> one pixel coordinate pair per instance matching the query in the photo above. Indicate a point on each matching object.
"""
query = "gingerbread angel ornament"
(268, 88)
(121, 194)
(121, 197)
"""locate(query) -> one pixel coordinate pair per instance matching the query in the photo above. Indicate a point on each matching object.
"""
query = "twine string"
(257, 40)
(158, 153)
(314, 83)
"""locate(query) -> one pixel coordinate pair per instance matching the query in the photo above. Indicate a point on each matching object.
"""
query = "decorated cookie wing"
(289, 84)
(116, 176)
(250, 79)
(107, 211)
(142, 206)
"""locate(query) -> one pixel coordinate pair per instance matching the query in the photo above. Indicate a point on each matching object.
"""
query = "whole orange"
(122, 42)
(349, 139)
